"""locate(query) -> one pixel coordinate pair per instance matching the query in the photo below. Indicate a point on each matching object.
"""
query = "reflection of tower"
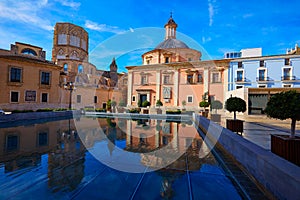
(70, 48)
(66, 163)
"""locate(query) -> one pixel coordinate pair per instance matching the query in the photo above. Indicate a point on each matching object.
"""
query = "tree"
(146, 103)
(203, 104)
(122, 103)
(235, 104)
(108, 104)
(285, 105)
(183, 103)
(159, 103)
(216, 105)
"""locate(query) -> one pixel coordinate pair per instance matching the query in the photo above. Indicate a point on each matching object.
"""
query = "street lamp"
(71, 87)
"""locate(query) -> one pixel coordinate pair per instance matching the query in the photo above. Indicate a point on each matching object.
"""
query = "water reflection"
(65, 147)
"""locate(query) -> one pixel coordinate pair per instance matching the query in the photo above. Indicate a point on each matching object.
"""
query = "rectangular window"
(287, 72)
(144, 80)
(190, 99)
(239, 75)
(239, 86)
(30, 95)
(14, 97)
(44, 97)
(261, 74)
(287, 85)
(287, 61)
(216, 78)
(261, 63)
(62, 39)
(189, 78)
(200, 78)
(78, 98)
(45, 78)
(240, 65)
(43, 139)
(167, 60)
(166, 79)
(262, 86)
(12, 142)
(95, 99)
(74, 41)
(15, 74)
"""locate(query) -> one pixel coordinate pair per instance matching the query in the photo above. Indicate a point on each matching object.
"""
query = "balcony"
(263, 79)
(289, 79)
(242, 80)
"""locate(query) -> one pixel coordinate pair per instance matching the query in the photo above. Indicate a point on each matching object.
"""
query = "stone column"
(158, 85)
(206, 80)
(129, 91)
(176, 87)
(225, 84)
(128, 132)
(175, 136)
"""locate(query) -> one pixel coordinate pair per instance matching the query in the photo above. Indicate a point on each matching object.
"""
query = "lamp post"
(71, 87)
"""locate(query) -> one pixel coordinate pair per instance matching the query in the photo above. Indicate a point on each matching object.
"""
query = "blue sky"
(126, 29)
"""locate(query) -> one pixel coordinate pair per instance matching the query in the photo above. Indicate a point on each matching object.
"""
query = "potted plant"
(158, 104)
(113, 105)
(183, 105)
(235, 104)
(216, 105)
(204, 104)
(121, 106)
(108, 105)
(285, 105)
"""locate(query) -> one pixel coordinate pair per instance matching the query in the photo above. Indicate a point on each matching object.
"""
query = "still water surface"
(99, 158)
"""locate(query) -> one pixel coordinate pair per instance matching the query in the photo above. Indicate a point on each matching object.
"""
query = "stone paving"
(257, 128)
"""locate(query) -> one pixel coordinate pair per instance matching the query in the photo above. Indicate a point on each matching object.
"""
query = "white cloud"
(70, 3)
(211, 11)
(205, 40)
(103, 27)
(247, 15)
(25, 12)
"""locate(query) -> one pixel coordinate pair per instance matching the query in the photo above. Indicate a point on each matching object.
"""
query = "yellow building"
(28, 81)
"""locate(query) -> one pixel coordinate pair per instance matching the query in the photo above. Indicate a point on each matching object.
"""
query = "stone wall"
(277, 175)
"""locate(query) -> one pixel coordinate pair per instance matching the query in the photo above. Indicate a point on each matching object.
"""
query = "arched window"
(65, 67)
(29, 52)
(80, 69)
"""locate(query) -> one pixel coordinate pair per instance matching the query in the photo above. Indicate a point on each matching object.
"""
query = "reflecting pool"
(109, 158)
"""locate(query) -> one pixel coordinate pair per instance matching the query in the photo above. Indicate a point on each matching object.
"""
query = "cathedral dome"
(171, 43)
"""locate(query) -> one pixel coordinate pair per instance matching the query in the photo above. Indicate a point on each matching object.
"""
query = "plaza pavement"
(257, 128)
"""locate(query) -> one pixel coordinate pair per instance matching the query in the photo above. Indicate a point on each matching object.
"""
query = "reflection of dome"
(171, 43)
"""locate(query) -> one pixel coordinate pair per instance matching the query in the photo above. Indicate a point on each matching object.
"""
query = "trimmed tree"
(159, 103)
(285, 105)
(204, 104)
(217, 105)
(235, 104)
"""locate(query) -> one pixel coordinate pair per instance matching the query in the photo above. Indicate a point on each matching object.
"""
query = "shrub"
(139, 103)
(204, 104)
(108, 104)
(122, 103)
(100, 110)
(45, 110)
(159, 103)
(235, 104)
(134, 110)
(146, 103)
(21, 111)
(60, 109)
(173, 112)
(217, 105)
(113, 103)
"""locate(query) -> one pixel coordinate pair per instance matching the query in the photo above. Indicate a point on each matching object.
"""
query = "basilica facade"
(174, 74)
